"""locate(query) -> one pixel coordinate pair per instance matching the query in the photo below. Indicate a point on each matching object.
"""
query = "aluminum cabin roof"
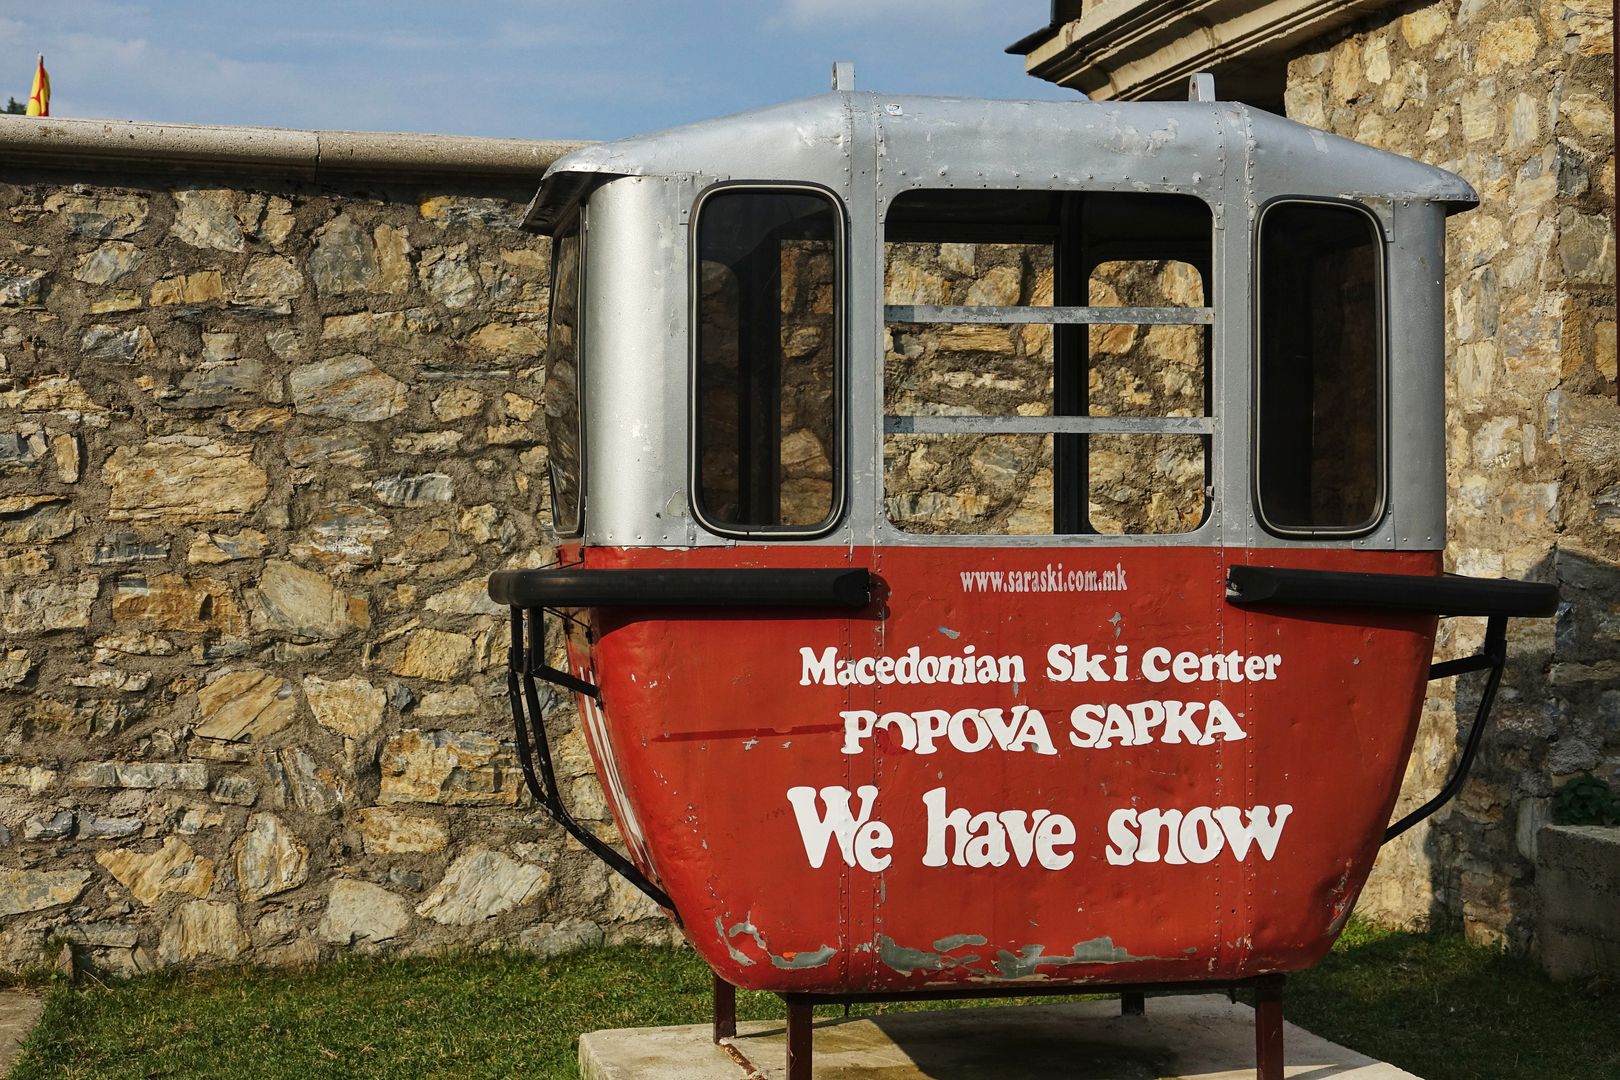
(1037, 143)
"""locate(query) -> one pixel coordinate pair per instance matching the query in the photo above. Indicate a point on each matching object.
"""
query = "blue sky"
(586, 69)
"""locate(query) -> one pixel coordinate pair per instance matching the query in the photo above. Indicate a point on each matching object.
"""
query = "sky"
(540, 69)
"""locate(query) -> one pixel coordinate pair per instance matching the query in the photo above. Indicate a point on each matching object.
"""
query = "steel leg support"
(1132, 1004)
(1268, 1029)
(800, 1029)
(725, 1010)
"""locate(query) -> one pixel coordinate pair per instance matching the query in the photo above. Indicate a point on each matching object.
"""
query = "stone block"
(347, 388)
(207, 218)
(203, 287)
(389, 832)
(143, 775)
(439, 655)
(23, 891)
(244, 706)
(351, 707)
(345, 258)
(556, 939)
(172, 602)
(1578, 901)
(36, 519)
(481, 885)
(449, 768)
(422, 489)
(359, 911)
(202, 930)
(269, 859)
(173, 868)
(106, 344)
(51, 393)
(46, 607)
(302, 604)
(179, 478)
(212, 549)
(99, 217)
(299, 782)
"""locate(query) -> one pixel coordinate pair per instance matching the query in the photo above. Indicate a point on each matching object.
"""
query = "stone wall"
(1513, 95)
(260, 448)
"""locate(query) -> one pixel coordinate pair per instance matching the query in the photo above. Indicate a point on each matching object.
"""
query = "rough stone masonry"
(1515, 96)
(261, 445)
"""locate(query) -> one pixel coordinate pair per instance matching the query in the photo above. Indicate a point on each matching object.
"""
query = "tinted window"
(767, 296)
(562, 384)
(1320, 452)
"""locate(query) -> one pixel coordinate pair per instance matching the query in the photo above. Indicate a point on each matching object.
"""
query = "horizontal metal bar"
(970, 991)
(1045, 425)
(1443, 595)
(1055, 316)
(699, 587)
(1461, 666)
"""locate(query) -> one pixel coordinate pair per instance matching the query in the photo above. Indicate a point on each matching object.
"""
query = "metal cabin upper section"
(943, 141)
(637, 316)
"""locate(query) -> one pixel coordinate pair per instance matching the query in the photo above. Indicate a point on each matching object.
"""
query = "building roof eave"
(1131, 49)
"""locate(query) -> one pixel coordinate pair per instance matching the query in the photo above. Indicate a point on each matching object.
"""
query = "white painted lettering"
(859, 838)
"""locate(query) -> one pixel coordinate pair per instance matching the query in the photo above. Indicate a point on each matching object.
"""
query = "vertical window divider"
(1071, 377)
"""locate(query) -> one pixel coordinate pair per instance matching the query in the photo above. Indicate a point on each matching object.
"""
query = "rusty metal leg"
(1132, 1004)
(800, 1021)
(725, 1010)
(1268, 1029)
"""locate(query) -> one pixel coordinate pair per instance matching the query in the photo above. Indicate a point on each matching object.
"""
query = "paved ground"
(19, 1011)
(1202, 1037)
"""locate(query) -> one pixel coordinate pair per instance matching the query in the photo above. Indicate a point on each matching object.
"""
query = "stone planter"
(1578, 900)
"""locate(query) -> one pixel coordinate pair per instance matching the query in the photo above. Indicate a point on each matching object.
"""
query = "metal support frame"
(1442, 596)
(1268, 1015)
(529, 594)
(524, 663)
(1268, 1029)
(1492, 657)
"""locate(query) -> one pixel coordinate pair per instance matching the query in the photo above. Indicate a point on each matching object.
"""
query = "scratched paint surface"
(711, 719)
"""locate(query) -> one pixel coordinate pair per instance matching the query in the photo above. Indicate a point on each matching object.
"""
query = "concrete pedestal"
(1202, 1037)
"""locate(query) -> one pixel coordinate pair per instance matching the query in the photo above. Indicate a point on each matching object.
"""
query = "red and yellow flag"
(39, 101)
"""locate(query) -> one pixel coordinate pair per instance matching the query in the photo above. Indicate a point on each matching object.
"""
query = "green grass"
(1446, 1010)
(1428, 1002)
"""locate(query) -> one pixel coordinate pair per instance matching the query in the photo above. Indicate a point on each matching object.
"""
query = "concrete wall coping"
(309, 155)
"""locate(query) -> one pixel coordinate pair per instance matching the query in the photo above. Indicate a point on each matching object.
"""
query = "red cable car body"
(1002, 540)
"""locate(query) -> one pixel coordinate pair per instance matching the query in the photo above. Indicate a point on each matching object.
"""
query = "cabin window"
(767, 401)
(1320, 408)
(1047, 364)
(561, 392)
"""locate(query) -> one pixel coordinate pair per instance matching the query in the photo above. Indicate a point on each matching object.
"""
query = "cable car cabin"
(1001, 539)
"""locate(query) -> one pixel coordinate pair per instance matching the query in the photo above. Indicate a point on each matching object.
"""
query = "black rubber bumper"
(792, 588)
(1448, 594)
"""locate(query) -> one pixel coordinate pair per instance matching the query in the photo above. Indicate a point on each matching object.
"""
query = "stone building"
(1516, 96)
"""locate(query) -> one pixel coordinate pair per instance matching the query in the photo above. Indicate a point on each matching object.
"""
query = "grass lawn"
(1430, 1003)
